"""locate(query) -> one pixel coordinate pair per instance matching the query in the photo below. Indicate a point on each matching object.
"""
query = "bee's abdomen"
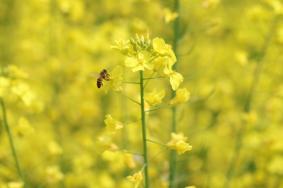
(99, 83)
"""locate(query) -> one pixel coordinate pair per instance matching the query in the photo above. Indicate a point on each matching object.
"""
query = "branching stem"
(144, 138)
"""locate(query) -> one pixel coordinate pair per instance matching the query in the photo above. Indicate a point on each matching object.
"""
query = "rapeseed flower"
(112, 125)
(136, 179)
(169, 15)
(15, 184)
(178, 143)
(182, 96)
(155, 97)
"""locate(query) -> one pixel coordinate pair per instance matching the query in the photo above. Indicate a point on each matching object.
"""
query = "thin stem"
(147, 80)
(248, 103)
(144, 138)
(124, 114)
(173, 155)
(126, 82)
(156, 142)
(133, 100)
(157, 108)
(130, 152)
(153, 78)
(11, 141)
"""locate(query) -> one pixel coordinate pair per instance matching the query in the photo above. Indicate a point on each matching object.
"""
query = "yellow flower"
(22, 90)
(250, 117)
(276, 5)
(54, 148)
(139, 63)
(169, 15)
(182, 96)
(276, 165)
(178, 143)
(155, 97)
(24, 127)
(190, 186)
(136, 178)
(280, 35)
(175, 78)
(241, 57)
(14, 72)
(112, 124)
(15, 184)
(4, 85)
(163, 64)
(210, 3)
(162, 48)
(129, 160)
(121, 45)
(53, 174)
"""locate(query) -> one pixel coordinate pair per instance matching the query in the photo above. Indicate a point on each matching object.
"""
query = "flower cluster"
(178, 143)
(143, 54)
(136, 178)
(13, 81)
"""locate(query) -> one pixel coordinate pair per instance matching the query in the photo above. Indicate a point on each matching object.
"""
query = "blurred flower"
(4, 86)
(257, 13)
(112, 125)
(169, 16)
(53, 174)
(24, 128)
(241, 57)
(54, 148)
(15, 185)
(175, 78)
(178, 143)
(129, 160)
(121, 45)
(15, 72)
(23, 90)
(210, 3)
(250, 118)
(155, 97)
(182, 96)
(280, 35)
(139, 26)
(83, 162)
(276, 165)
(105, 141)
(276, 5)
(136, 178)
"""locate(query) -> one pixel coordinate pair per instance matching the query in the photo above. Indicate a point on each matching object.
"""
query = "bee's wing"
(94, 74)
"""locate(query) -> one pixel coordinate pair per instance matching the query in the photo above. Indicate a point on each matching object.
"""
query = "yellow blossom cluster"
(178, 143)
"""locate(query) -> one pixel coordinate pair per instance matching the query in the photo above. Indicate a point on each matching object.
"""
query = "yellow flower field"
(141, 94)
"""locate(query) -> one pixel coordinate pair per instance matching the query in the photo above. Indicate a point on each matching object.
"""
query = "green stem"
(157, 108)
(156, 142)
(248, 103)
(126, 82)
(154, 78)
(144, 138)
(12, 145)
(173, 155)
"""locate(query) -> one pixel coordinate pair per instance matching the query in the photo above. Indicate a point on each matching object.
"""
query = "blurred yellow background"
(228, 51)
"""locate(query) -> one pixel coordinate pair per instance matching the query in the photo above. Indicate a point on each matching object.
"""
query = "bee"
(103, 75)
